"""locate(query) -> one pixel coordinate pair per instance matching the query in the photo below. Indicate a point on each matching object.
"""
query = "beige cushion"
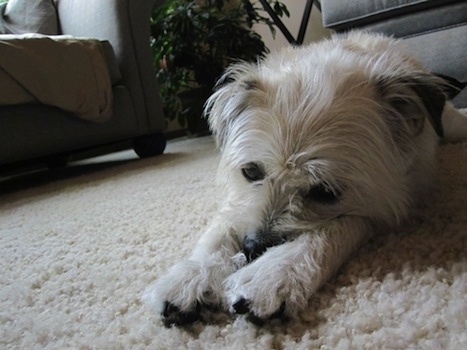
(60, 71)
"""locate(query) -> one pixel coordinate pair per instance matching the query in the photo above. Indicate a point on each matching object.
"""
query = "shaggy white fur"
(76, 252)
(322, 146)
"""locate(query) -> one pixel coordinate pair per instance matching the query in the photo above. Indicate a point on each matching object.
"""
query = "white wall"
(315, 30)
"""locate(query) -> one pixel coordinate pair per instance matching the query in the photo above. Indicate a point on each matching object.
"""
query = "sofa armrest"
(125, 24)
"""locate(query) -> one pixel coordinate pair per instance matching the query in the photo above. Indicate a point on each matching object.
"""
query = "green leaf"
(197, 40)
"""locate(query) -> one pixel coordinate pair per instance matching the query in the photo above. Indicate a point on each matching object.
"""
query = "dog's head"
(323, 132)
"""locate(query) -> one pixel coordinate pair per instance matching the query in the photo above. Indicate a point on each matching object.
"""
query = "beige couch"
(35, 131)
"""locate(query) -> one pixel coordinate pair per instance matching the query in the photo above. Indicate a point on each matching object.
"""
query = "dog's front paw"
(180, 295)
(256, 296)
(264, 290)
(191, 290)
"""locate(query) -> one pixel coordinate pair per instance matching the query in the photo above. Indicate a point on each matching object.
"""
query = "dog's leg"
(182, 295)
(454, 124)
(283, 279)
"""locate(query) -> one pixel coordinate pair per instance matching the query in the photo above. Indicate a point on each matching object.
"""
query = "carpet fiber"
(79, 245)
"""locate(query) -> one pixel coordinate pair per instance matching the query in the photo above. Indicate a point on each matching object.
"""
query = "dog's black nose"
(253, 247)
(255, 244)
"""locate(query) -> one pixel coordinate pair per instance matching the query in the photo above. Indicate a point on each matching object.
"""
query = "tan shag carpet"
(79, 245)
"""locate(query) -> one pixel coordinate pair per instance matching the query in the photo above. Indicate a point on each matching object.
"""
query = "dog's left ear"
(232, 96)
(414, 97)
(221, 110)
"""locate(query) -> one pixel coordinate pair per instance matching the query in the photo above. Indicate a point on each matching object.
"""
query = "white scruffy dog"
(322, 146)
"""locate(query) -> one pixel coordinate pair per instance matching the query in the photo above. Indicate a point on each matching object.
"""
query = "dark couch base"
(23, 127)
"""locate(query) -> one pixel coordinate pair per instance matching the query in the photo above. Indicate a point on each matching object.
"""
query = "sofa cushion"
(28, 16)
(338, 14)
(62, 71)
(443, 52)
(423, 22)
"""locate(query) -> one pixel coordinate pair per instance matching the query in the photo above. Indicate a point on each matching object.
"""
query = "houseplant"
(194, 41)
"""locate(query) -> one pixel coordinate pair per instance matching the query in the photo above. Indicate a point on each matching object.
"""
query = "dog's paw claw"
(241, 307)
(173, 316)
(257, 321)
(279, 313)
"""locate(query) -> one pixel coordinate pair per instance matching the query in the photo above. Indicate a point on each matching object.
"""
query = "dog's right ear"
(229, 101)
(453, 87)
(414, 97)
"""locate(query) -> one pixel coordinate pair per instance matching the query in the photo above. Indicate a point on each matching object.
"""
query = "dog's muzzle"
(255, 244)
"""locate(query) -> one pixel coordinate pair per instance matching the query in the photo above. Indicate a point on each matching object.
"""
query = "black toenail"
(278, 313)
(241, 307)
(257, 321)
(169, 308)
(172, 316)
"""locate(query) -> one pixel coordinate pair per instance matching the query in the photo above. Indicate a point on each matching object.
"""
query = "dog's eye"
(323, 194)
(253, 172)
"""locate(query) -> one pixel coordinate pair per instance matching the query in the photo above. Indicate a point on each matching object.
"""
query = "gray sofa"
(37, 131)
(433, 30)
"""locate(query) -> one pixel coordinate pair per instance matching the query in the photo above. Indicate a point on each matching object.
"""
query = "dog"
(321, 147)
